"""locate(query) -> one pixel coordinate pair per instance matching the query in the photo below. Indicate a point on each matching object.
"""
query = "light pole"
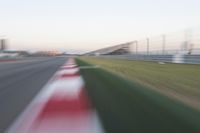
(136, 47)
(147, 46)
(163, 44)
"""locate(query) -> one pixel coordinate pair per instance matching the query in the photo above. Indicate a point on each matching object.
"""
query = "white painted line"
(67, 71)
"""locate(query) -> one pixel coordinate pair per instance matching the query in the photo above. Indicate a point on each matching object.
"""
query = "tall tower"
(2, 44)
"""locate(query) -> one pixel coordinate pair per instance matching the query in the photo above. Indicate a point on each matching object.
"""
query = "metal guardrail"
(186, 59)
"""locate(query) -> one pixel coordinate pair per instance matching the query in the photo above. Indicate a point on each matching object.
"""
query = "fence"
(183, 42)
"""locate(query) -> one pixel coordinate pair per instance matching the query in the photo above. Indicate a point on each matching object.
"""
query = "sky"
(85, 25)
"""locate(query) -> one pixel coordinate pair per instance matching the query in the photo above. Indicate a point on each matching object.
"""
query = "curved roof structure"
(113, 50)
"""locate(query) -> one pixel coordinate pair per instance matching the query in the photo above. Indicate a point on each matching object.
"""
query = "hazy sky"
(82, 25)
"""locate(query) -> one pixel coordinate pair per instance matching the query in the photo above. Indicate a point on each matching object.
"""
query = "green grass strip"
(178, 81)
(128, 107)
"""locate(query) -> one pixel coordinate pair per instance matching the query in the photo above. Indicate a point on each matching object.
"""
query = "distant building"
(13, 54)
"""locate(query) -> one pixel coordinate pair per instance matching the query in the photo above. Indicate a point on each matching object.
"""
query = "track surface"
(20, 81)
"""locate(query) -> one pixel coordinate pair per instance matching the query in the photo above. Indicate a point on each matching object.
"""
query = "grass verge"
(178, 81)
(127, 107)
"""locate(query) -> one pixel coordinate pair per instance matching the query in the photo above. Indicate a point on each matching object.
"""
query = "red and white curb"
(62, 106)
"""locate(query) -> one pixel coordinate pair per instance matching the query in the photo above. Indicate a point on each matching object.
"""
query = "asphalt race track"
(20, 81)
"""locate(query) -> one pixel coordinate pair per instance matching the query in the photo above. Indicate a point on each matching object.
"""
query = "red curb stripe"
(65, 106)
(65, 76)
(69, 75)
